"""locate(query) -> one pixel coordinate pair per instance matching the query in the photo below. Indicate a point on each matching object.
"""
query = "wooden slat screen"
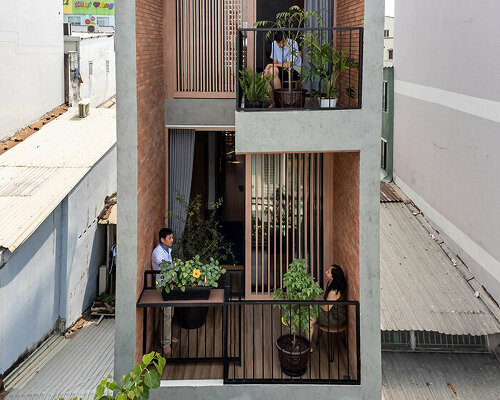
(285, 214)
(206, 46)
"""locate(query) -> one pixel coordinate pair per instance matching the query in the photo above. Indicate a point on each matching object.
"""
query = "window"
(103, 21)
(91, 68)
(390, 54)
(107, 67)
(384, 96)
(386, 32)
(74, 19)
(383, 154)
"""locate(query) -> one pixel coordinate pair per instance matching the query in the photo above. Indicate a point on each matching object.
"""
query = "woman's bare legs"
(275, 83)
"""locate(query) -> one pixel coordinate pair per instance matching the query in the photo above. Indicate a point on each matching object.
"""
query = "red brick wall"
(349, 13)
(345, 231)
(150, 140)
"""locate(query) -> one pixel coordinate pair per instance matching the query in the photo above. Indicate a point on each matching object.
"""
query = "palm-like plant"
(287, 21)
(254, 85)
(325, 66)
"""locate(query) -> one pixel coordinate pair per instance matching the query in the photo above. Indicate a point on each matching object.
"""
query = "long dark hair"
(338, 283)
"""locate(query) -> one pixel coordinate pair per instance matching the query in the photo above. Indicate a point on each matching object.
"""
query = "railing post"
(360, 68)
(358, 349)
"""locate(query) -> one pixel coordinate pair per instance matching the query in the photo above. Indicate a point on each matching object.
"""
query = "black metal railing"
(325, 70)
(242, 336)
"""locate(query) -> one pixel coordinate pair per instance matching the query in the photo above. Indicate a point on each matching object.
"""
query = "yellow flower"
(157, 283)
(175, 264)
(196, 273)
(173, 274)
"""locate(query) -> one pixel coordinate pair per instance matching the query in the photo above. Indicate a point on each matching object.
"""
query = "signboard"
(92, 7)
(67, 7)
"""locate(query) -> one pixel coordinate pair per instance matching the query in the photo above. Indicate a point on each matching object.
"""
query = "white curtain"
(326, 7)
(181, 154)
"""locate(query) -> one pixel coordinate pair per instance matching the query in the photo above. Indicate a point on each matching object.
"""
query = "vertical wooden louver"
(206, 47)
(284, 218)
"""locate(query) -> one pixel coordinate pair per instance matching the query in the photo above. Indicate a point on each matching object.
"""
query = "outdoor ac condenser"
(83, 108)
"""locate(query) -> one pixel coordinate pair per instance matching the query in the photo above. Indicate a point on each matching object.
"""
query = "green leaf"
(99, 391)
(152, 379)
(161, 364)
(130, 395)
(147, 358)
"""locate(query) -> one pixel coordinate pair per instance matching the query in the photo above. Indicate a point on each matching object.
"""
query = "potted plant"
(188, 280)
(195, 268)
(255, 86)
(293, 348)
(287, 21)
(325, 64)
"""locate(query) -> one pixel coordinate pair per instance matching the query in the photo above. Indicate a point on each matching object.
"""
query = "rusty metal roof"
(420, 288)
(37, 174)
(388, 194)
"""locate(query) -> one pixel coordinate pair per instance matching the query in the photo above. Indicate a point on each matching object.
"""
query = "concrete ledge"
(193, 112)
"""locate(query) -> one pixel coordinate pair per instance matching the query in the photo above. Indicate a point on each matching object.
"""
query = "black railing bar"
(350, 52)
(262, 337)
(272, 341)
(360, 68)
(295, 381)
(358, 350)
(190, 360)
(291, 302)
(253, 341)
(335, 28)
(340, 108)
(347, 346)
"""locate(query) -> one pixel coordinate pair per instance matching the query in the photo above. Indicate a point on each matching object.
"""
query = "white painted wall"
(447, 124)
(31, 71)
(100, 85)
(54, 273)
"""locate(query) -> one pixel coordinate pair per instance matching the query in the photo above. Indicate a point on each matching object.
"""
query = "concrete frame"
(340, 130)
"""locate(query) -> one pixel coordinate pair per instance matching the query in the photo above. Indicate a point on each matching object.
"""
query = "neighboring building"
(89, 67)
(387, 140)
(89, 13)
(52, 189)
(446, 144)
(31, 74)
(388, 41)
(181, 128)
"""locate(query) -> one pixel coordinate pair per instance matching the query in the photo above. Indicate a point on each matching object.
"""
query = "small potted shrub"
(188, 280)
(325, 66)
(255, 86)
(293, 348)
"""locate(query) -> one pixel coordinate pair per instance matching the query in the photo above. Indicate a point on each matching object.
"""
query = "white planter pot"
(328, 103)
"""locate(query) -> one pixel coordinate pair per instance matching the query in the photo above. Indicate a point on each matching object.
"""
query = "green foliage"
(255, 86)
(325, 65)
(201, 237)
(136, 384)
(188, 273)
(294, 17)
(298, 285)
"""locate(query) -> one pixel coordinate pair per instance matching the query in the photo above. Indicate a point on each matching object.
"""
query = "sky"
(389, 8)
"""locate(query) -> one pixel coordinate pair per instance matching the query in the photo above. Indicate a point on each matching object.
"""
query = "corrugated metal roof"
(431, 376)
(421, 290)
(37, 174)
(76, 369)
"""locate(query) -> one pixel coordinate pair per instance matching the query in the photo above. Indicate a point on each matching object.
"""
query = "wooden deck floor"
(260, 327)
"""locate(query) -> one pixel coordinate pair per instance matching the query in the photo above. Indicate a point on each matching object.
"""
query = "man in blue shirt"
(284, 53)
(163, 252)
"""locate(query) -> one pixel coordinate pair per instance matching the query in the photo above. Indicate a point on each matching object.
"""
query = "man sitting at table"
(163, 252)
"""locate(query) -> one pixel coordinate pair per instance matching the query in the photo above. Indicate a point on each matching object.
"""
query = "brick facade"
(349, 13)
(345, 237)
(150, 140)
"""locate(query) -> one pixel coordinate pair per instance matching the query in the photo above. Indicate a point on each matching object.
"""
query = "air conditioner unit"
(83, 108)
(91, 28)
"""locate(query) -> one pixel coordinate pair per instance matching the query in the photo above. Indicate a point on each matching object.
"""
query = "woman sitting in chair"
(332, 316)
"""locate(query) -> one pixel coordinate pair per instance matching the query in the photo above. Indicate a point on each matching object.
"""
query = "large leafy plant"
(202, 236)
(298, 284)
(287, 21)
(134, 385)
(325, 64)
(254, 85)
(182, 274)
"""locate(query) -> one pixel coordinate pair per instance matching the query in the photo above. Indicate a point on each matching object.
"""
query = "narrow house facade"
(298, 181)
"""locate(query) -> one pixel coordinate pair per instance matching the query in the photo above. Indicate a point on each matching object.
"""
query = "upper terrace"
(211, 42)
